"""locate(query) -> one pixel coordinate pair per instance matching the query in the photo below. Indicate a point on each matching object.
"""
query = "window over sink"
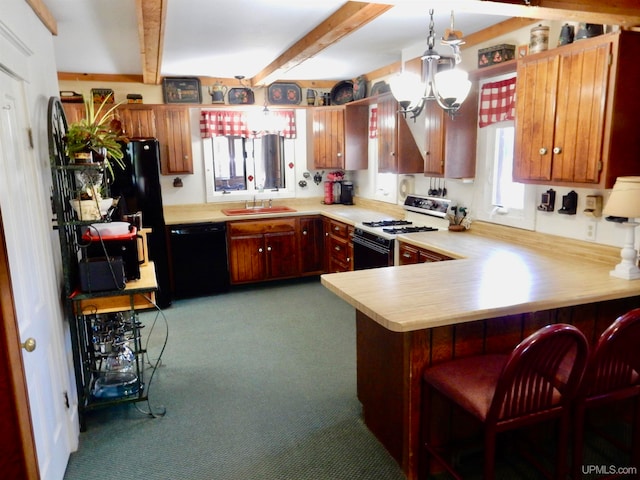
(243, 164)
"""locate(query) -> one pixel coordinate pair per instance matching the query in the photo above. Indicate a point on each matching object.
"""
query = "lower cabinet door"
(282, 258)
(247, 259)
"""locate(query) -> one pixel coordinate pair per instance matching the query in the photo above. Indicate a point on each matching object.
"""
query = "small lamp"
(625, 202)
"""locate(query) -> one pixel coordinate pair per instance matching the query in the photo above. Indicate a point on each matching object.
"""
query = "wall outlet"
(590, 231)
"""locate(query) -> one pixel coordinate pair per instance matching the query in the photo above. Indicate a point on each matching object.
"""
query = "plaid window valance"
(235, 123)
(497, 102)
(373, 123)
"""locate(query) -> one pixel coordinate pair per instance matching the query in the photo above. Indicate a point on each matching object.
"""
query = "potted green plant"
(96, 137)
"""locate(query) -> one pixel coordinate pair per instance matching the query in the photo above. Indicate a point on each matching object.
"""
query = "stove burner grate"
(396, 231)
(386, 223)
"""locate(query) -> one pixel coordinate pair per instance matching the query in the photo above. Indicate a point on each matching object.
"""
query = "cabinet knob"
(557, 150)
(268, 248)
(339, 154)
(304, 232)
(337, 248)
(406, 255)
(542, 151)
(260, 250)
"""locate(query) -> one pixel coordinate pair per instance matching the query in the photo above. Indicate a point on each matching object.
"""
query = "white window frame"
(486, 210)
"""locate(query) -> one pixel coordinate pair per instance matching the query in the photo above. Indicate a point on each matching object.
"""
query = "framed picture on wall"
(181, 90)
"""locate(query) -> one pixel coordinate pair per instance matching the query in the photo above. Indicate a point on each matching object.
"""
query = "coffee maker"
(346, 193)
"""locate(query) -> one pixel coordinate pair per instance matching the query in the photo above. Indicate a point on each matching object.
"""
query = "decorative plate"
(342, 92)
(380, 88)
(284, 93)
(359, 88)
(241, 96)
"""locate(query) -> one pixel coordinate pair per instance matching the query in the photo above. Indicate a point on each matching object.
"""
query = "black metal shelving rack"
(88, 312)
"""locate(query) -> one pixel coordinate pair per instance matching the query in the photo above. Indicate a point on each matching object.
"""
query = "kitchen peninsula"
(503, 285)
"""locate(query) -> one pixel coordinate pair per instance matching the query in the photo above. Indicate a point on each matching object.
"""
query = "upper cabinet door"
(174, 136)
(535, 117)
(138, 121)
(397, 148)
(328, 137)
(583, 82)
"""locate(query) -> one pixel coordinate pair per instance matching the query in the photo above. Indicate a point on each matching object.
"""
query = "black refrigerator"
(138, 186)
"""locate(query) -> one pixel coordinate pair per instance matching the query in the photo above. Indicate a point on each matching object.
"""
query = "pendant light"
(441, 79)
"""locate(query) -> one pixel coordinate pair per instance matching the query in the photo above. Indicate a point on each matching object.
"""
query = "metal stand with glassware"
(104, 289)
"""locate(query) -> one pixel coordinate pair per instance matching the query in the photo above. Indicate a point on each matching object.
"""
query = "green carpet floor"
(258, 383)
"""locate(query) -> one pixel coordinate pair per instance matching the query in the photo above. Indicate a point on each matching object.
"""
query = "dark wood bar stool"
(536, 382)
(612, 375)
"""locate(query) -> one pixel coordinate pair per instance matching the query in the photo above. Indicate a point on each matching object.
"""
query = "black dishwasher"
(199, 259)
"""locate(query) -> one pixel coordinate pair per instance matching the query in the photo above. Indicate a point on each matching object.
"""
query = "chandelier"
(441, 79)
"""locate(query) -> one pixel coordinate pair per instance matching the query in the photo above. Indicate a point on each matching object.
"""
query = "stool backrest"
(542, 374)
(614, 363)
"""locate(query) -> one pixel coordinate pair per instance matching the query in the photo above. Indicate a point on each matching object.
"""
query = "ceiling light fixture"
(441, 79)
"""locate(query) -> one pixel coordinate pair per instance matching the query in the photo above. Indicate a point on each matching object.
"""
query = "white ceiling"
(223, 39)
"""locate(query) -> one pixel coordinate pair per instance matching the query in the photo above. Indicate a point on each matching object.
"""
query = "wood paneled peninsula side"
(502, 285)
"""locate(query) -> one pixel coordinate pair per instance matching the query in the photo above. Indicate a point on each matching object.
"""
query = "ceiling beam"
(625, 13)
(348, 18)
(45, 16)
(151, 21)
(497, 30)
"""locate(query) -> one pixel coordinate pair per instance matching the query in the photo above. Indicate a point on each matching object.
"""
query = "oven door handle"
(371, 245)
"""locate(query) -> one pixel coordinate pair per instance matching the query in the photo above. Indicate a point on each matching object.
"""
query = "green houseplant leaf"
(97, 133)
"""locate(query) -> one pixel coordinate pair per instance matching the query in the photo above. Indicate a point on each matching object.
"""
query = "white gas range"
(374, 242)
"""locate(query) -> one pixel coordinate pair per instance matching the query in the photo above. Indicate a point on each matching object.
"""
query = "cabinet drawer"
(339, 249)
(250, 227)
(339, 229)
(408, 255)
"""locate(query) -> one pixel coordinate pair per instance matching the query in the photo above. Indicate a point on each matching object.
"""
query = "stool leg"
(489, 452)
(578, 440)
(425, 433)
(635, 434)
(563, 443)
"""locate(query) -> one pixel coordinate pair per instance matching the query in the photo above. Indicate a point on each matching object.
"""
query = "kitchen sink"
(256, 210)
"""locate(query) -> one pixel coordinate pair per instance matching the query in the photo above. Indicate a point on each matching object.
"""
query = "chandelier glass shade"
(441, 79)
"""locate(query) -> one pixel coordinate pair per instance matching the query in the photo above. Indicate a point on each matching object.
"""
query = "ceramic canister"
(539, 41)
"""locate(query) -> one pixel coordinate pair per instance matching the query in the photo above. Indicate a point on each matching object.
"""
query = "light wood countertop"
(489, 278)
(498, 270)
(363, 211)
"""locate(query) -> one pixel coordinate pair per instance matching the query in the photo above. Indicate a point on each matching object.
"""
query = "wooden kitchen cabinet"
(169, 124)
(174, 136)
(410, 254)
(328, 137)
(338, 246)
(138, 120)
(262, 250)
(73, 112)
(311, 244)
(340, 137)
(397, 148)
(576, 112)
(451, 142)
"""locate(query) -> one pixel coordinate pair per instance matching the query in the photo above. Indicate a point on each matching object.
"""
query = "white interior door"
(26, 214)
